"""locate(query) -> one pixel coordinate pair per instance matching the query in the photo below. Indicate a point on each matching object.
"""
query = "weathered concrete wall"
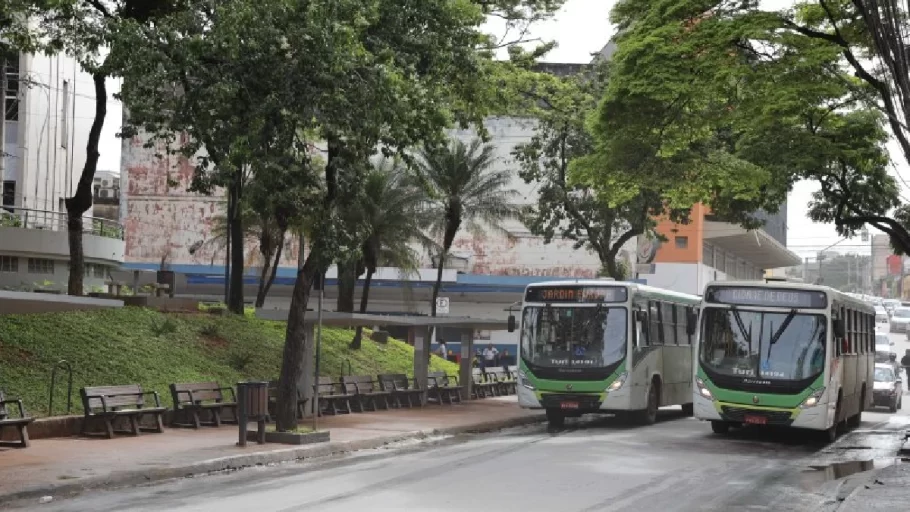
(162, 219)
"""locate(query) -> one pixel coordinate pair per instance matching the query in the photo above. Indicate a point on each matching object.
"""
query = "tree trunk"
(295, 337)
(364, 298)
(294, 347)
(235, 224)
(81, 201)
(264, 287)
(347, 285)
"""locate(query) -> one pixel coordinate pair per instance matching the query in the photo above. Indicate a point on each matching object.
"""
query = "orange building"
(708, 249)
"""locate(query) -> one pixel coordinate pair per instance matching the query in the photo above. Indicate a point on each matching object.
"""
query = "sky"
(581, 28)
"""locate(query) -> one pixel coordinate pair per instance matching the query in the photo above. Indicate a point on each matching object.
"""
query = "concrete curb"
(237, 462)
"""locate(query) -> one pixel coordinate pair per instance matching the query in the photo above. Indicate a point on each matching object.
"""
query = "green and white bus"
(592, 346)
(786, 354)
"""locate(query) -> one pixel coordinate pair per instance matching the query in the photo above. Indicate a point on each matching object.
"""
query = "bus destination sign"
(551, 294)
(773, 297)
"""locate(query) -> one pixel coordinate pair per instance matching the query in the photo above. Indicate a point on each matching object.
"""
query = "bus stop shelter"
(419, 326)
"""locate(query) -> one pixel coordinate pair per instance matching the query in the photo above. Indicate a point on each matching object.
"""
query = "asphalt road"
(593, 464)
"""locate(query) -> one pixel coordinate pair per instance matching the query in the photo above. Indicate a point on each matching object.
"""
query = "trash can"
(252, 405)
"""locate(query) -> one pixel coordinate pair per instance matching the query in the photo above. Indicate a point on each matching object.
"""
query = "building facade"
(709, 249)
(48, 110)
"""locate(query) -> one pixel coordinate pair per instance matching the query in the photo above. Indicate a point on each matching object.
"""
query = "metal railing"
(65, 365)
(27, 218)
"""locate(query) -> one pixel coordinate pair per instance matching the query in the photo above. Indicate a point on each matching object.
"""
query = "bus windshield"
(573, 337)
(763, 344)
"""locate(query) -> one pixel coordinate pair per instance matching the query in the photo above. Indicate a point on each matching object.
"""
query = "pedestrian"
(442, 350)
(504, 359)
(489, 356)
(905, 362)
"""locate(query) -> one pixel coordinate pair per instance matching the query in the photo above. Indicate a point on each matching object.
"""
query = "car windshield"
(902, 313)
(574, 337)
(883, 374)
(770, 345)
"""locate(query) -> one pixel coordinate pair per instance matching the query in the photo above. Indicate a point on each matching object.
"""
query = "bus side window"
(655, 336)
(682, 336)
(641, 328)
(838, 341)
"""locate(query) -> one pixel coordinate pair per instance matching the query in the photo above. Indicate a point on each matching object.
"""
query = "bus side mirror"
(839, 329)
(692, 323)
(641, 316)
(511, 323)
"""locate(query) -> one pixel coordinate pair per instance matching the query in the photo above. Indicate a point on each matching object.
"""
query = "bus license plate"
(570, 405)
(756, 420)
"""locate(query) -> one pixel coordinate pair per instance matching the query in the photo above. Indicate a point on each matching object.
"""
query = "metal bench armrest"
(157, 398)
(233, 396)
(18, 403)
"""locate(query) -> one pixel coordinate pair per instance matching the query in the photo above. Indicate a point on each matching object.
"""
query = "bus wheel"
(833, 431)
(720, 427)
(556, 418)
(857, 419)
(649, 415)
(688, 409)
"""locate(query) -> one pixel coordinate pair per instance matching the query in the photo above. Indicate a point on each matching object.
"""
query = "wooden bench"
(21, 423)
(401, 391)
(332, 396)
(366, 391)
(192, 398)
(440, 385)
(482, 386)
(504, 379)
(107, 403)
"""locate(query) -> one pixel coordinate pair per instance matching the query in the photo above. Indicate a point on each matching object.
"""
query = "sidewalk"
(60, 467)
(888, 489)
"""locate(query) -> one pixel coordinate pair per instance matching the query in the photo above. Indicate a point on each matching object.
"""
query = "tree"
(465, 191)
(83, 29)
(722, 101)
(392, 212)
(353, 74)
(589, 217)
(855, 30)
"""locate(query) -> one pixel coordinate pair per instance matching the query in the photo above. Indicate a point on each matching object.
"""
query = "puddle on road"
(813, 478)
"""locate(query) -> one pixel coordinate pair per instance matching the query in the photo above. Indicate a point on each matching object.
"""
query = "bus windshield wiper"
(783, 327)
(780, 331)
(739, 323)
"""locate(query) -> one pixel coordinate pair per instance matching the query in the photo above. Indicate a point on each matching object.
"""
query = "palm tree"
(393, 215)
(464, 190)
(259, 230)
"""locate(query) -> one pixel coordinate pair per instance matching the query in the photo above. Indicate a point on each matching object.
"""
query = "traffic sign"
(442, 305)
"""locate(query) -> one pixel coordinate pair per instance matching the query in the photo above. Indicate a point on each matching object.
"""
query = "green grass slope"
(133, 345)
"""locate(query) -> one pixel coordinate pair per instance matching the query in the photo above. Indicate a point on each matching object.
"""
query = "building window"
(11, 91)
(40, 266)
(9, 193)
(9, 264)
(682, 242)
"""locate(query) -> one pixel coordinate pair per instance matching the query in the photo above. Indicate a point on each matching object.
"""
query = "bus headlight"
(703, 389)
(523, 380)
(620, 380)
(813, 399)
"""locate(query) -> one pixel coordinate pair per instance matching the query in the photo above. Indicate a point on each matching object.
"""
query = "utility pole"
(3, 87)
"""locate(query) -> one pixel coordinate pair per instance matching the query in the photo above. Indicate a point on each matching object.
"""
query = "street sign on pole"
(442, 305)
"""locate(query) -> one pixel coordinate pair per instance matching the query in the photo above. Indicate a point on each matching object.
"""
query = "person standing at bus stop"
(489, 356)
(905, 362)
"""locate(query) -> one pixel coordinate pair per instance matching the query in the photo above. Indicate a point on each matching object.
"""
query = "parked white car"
(882, 320)
(900, 320)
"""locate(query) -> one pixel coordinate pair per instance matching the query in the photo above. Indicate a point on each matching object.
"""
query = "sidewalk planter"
(295, 438)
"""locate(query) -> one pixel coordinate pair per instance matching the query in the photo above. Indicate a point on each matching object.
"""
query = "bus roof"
(833, 295)
(635, 287)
